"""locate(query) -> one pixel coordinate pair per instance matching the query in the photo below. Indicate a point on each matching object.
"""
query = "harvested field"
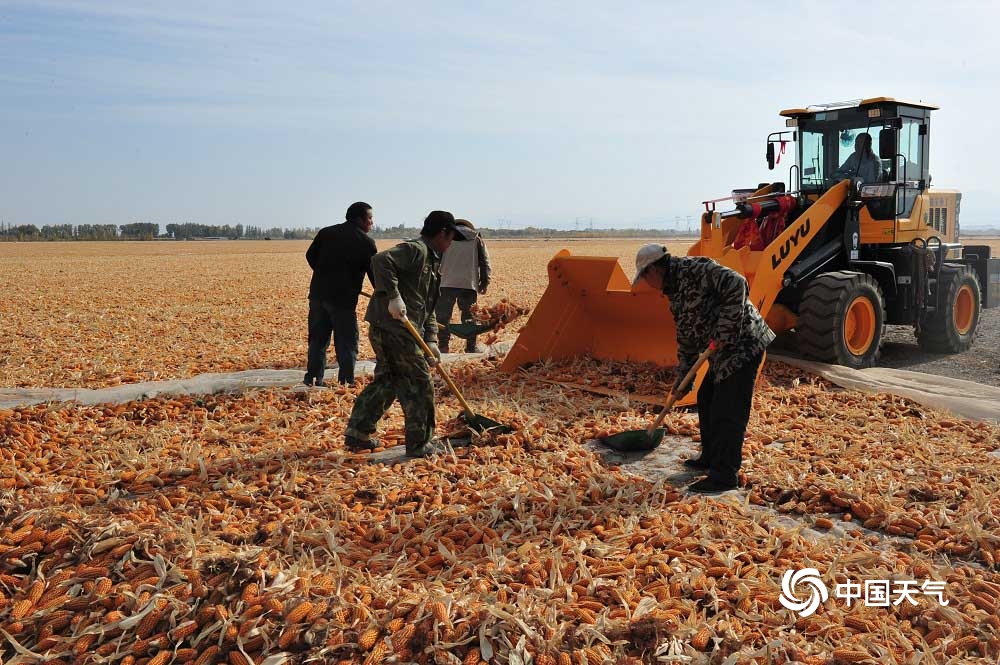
(235, 528)
(95, 314)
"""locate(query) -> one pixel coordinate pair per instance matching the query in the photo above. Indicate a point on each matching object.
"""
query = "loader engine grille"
(939, 219)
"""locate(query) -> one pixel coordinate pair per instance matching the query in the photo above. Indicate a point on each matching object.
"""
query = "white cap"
(645, 257)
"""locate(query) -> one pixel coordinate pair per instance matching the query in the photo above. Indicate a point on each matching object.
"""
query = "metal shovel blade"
(468, 330)
(634, 441)
(483, 424)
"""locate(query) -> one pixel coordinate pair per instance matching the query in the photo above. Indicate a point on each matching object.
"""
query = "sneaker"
(696, 463)
(432, 447)
(310, 381)
(478, 348)
(357, 445)
(709, 485)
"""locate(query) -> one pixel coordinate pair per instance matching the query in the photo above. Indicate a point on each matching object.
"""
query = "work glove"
(483, 285)
(397, 308)
(435, 354)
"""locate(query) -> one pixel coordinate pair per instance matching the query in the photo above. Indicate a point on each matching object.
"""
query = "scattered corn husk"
(236, 528)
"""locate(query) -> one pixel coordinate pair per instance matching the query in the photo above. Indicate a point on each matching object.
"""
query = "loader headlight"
(881, 191)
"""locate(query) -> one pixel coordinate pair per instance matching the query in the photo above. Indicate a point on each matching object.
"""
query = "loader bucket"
(590, 308)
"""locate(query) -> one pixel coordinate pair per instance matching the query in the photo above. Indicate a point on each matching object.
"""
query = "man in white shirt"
(465, 273)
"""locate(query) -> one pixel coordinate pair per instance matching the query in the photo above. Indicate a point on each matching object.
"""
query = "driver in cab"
(863, 162)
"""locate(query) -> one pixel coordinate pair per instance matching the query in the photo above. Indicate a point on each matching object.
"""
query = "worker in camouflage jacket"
(407, 280)
(710, 303)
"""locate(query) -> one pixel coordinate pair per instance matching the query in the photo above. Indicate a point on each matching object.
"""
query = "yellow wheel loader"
(854, 239)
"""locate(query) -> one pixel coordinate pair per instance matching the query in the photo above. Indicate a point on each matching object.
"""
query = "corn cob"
(299, 612)
(250, 593)
(701, 639)
(239, 658)
(368, 638)
(207, 656)
(850, 655)
(440, 612)
(967, 643)
(859, 624)
(377, 654)
(21, 609)
(184, 630)
(287, 637)
(160, 658)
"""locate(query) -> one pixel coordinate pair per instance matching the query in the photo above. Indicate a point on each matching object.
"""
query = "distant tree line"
(193, 231)
(147, 231)
(133, 231)
(402, 231)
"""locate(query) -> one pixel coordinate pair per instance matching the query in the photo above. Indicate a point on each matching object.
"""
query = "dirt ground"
(900, 350)
(981, 363)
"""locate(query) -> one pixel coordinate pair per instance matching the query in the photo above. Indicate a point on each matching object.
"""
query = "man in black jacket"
(340, 257)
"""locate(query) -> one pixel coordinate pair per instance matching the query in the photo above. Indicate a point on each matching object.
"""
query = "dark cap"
(438, 220)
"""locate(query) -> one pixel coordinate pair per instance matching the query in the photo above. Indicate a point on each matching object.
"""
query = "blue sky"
(537, 113)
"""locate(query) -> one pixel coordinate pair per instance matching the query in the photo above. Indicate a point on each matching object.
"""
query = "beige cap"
(645, 257)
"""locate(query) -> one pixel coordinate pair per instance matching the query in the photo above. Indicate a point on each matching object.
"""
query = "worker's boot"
(432, 447)
(312, 381)
(358, 445)
(472, 347)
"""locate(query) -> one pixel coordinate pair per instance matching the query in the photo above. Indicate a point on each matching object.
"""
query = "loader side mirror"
(770, 155)
(887, 137)
(887, 144)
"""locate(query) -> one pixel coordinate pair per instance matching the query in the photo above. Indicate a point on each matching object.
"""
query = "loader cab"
(826, 136)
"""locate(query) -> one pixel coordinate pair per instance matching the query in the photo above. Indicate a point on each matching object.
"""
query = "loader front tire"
(841, 319)
(952, 327)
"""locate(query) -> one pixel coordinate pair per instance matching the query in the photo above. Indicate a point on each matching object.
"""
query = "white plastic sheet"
(964, 398)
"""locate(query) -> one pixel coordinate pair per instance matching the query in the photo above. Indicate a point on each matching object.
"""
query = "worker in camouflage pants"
(407, 281)
(402, 372)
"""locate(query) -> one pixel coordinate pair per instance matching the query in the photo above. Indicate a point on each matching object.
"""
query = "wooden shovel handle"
(440, 368)
(688, 378)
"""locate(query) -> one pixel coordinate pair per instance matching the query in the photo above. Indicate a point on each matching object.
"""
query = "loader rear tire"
(952, 328)
(841, 319)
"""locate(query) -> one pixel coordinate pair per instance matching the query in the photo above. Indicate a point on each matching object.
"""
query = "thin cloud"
(542, 110)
